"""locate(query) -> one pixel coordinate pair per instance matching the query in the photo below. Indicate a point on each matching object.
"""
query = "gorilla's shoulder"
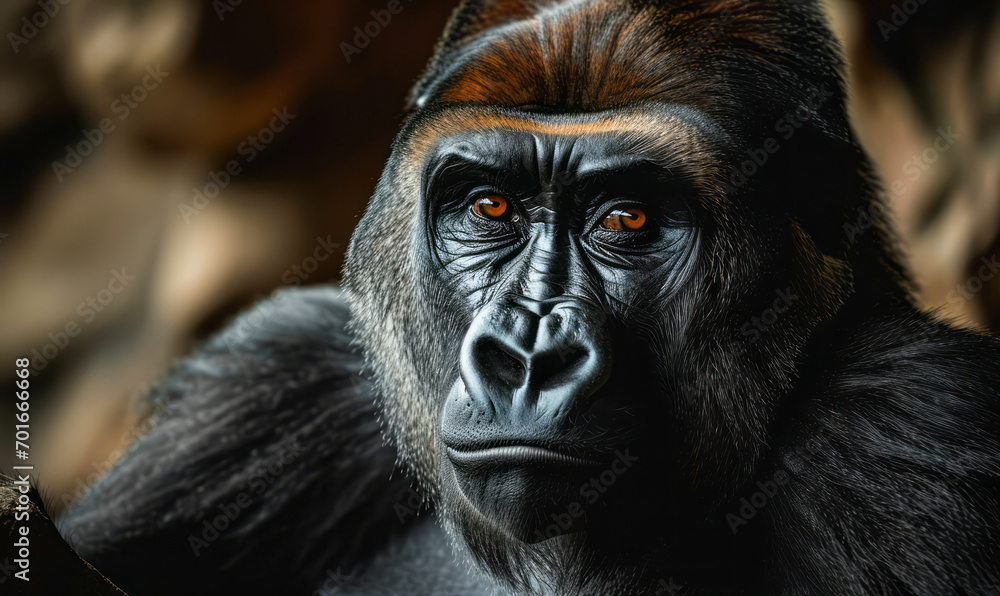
(898, 436)
(907, 377)
(293, 343)
(914, 356)
(268, 419)
(290, 320)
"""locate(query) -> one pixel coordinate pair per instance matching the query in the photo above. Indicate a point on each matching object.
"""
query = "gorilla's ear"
(471, 18)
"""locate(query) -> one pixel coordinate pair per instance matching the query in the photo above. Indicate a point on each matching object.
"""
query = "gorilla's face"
(590, 268)
(559, 245)
(541, 297)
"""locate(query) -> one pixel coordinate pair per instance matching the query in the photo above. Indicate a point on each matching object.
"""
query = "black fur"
(901, 494)
(851, 447)
(284, 374)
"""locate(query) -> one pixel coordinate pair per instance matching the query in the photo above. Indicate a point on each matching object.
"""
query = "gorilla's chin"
(522, 473)
(529, 493)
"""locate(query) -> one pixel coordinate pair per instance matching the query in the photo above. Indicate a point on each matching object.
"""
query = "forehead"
(671, 136)
(595, 54)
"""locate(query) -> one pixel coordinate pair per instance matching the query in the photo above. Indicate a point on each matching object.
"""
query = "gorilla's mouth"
(522, 486)
(520, 454)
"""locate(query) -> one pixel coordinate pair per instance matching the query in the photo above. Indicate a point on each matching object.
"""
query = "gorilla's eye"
(624, 220)
(490, 207)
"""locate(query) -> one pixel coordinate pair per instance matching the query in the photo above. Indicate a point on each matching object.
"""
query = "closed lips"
(516, 454)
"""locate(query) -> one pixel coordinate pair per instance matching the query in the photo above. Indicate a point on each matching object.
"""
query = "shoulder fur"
(895, 465)
(273, 412)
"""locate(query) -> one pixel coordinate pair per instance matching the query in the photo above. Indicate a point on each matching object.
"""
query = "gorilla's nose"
(533, 359)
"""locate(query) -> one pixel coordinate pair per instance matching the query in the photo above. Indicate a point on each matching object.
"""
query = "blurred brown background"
(206, 152)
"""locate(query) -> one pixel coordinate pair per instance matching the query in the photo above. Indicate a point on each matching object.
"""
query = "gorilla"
(625, 315)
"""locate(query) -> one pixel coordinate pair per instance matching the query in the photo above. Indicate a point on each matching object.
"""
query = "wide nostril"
(495, 359)
(517, 364)
(558, 367)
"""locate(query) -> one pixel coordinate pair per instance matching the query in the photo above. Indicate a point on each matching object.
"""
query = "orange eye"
(490, 207)
(624, 219)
